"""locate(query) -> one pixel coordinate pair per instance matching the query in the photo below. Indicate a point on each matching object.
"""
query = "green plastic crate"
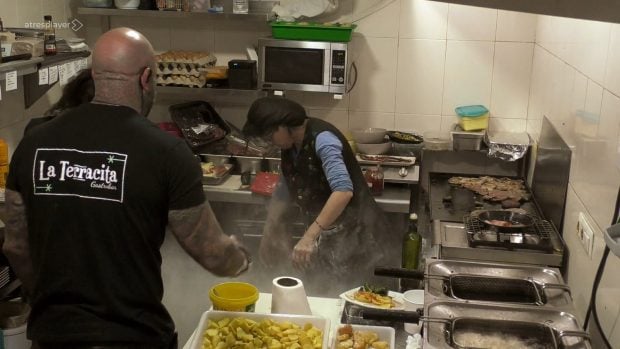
(312, 31)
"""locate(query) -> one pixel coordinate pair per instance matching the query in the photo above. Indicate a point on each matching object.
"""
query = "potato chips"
(242, 333)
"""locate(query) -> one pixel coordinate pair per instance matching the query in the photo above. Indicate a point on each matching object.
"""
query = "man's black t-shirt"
(98, 182)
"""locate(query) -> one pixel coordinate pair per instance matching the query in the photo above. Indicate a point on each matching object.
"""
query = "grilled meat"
(494, 189)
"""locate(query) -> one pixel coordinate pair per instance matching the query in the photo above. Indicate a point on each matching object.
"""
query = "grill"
(536, 237)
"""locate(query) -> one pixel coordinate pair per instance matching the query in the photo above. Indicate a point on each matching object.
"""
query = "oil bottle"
(412, 244)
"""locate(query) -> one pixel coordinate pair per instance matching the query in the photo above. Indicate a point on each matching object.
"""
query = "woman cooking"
(341, 244)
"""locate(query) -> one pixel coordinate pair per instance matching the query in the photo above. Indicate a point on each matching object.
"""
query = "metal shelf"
(23, 67)
(227, 96)
(262, 16)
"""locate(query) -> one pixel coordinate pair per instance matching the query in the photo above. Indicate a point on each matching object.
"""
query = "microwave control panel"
(339, 61)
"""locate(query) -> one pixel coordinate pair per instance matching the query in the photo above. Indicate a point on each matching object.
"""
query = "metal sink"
(444, 278)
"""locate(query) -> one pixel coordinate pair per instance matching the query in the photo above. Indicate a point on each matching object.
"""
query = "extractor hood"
(598, 10)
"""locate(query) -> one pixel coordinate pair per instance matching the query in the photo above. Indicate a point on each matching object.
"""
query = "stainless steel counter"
(395, 197)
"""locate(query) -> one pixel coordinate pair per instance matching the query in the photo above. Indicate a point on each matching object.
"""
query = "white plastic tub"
(15, 338)
(317, 321)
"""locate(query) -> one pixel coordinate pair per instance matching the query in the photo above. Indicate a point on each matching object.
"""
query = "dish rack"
(173, 5)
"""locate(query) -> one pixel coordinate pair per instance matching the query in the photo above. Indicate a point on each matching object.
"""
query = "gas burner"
(535, 237)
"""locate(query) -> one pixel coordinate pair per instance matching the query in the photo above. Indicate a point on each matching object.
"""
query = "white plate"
(399, 303)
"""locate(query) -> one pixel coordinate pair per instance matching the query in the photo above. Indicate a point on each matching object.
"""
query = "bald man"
(88, 199)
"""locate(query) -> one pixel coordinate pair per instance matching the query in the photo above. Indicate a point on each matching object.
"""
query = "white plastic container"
(317, 321)
(15, 338)
(386, 334)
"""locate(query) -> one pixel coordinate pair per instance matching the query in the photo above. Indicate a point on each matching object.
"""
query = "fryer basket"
(493, 289)
(478, 333)
(475, 333)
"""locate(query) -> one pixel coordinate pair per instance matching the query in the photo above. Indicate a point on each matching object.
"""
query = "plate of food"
(374, 297)
(213, 174)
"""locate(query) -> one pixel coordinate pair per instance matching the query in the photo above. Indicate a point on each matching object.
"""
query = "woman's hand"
(303, 252)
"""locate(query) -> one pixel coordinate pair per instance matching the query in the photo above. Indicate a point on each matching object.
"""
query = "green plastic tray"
(312, 31)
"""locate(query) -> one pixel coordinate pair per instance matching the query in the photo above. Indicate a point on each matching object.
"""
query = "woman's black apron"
(352, 246)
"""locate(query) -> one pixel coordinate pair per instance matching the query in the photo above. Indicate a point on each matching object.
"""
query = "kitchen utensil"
(473, 117)
(506, 221)
(97, 3)
(482, 287)
(435, 140)
(404, 137)
(127, 4)
(461, 331)
(466, 140)
(234, 296)
(220, 178)
(368, 135)
(373, 148)
(403, 172)
(288, 296)
(199, 122)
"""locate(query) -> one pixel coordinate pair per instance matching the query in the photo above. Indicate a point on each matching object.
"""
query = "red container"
(171, 128)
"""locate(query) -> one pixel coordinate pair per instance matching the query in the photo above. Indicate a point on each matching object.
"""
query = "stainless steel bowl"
(216, 159)
(249, 164)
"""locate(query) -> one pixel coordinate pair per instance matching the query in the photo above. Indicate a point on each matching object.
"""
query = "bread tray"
(217, 180)
(386, 160)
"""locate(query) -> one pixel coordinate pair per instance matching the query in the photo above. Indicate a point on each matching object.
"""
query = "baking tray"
(406, 160)
(192, 117)
(217, 180)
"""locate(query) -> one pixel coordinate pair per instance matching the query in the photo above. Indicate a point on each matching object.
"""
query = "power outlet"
(585, 233)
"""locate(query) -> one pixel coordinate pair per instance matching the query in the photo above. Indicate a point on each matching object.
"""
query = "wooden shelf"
(262, 16)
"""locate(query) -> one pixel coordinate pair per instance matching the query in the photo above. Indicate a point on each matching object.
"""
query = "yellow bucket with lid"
(234, 296)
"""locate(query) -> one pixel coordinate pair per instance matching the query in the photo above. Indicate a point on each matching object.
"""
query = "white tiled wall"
(575, 83)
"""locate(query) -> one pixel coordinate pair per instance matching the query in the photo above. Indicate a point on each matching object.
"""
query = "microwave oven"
(302, 65)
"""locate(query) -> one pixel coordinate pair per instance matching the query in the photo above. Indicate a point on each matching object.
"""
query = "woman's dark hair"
(80, 90)
(268, 113)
